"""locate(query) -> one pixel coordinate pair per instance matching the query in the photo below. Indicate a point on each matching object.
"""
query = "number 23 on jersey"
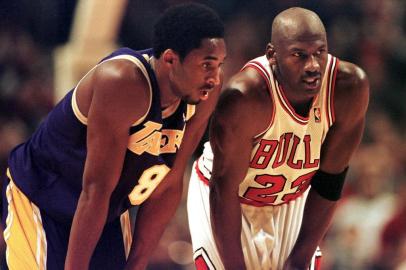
(275, 191)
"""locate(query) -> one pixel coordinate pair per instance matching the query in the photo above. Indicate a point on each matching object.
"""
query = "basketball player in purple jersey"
(282, 135)
(120, 138)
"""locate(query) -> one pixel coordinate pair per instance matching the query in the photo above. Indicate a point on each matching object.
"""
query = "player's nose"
(214, 79)
(312, 65)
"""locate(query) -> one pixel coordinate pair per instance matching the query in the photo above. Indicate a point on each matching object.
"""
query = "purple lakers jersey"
(48, 168)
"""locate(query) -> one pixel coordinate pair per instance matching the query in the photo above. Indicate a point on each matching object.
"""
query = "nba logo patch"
(317, 115)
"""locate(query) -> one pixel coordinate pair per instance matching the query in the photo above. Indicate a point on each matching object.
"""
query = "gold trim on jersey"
(168, 111)
(190, 111)
(24, 233)
(83, 119)
(76, 111)
(126, 231)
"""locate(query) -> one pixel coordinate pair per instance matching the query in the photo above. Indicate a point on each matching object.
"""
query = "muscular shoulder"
(351, 92)
(117, 85)
(351, 77)
(122, 72)
(245, 103)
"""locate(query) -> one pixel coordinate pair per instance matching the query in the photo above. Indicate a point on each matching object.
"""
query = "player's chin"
(196, 98)
(192, 100)
(310, 92)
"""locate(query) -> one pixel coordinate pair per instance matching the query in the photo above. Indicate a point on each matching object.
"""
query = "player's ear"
(270, 53)
(170, 56)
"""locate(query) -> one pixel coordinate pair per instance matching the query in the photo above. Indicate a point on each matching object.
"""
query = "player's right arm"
(112, 97)
(240, 114)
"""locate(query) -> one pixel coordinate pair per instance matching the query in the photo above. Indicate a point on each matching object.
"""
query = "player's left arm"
(351, 98)
(155, 213)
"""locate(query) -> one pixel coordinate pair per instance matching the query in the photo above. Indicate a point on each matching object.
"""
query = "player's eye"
(298, 54)
(206, 66)
(321, 51)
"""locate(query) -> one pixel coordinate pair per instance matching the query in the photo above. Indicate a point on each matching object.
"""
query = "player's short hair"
(182, 28)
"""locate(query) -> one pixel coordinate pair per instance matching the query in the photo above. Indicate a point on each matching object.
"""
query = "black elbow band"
(327, 185)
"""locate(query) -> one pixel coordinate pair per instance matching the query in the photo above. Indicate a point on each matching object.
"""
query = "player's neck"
(166, 94)
(301, 104)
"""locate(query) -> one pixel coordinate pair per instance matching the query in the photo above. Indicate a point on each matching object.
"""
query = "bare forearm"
(156, 212)
(317, 217)
(83, 238)
(152, 219)
(226, 224)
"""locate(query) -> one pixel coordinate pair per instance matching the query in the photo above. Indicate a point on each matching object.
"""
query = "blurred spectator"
(393, 239)
(354, 237)
(25, 89)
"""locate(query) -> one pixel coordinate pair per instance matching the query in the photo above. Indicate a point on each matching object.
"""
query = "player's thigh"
(34, 240)
(205, 252)
(198, 209)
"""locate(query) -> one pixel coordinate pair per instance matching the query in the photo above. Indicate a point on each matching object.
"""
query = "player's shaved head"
(297, 24)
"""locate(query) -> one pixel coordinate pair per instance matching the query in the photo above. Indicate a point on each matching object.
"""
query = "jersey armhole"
(268, 79)
(83, 119)
(332, 74)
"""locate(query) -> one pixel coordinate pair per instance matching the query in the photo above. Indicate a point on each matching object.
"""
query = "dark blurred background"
(369, 229)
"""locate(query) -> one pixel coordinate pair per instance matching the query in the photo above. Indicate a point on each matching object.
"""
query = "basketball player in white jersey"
(282, 136)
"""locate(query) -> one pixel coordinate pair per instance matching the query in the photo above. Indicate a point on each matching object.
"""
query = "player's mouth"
(312, 83)
(204, 94)
(205, 91)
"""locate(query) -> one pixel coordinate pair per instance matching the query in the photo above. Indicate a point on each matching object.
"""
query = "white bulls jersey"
(288, 153)
(274, 190)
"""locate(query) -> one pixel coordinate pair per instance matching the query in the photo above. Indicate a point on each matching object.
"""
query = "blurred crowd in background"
(369, 228)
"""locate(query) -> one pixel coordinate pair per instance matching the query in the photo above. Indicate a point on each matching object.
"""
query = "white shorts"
(268, 232)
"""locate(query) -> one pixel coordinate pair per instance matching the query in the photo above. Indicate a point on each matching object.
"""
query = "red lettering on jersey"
(285, 138)
(265, 195)
(284, 154)
(302, 183)
(200, 263)
(308, 164)
(264, 154)
(298, 164)
(268, 195)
